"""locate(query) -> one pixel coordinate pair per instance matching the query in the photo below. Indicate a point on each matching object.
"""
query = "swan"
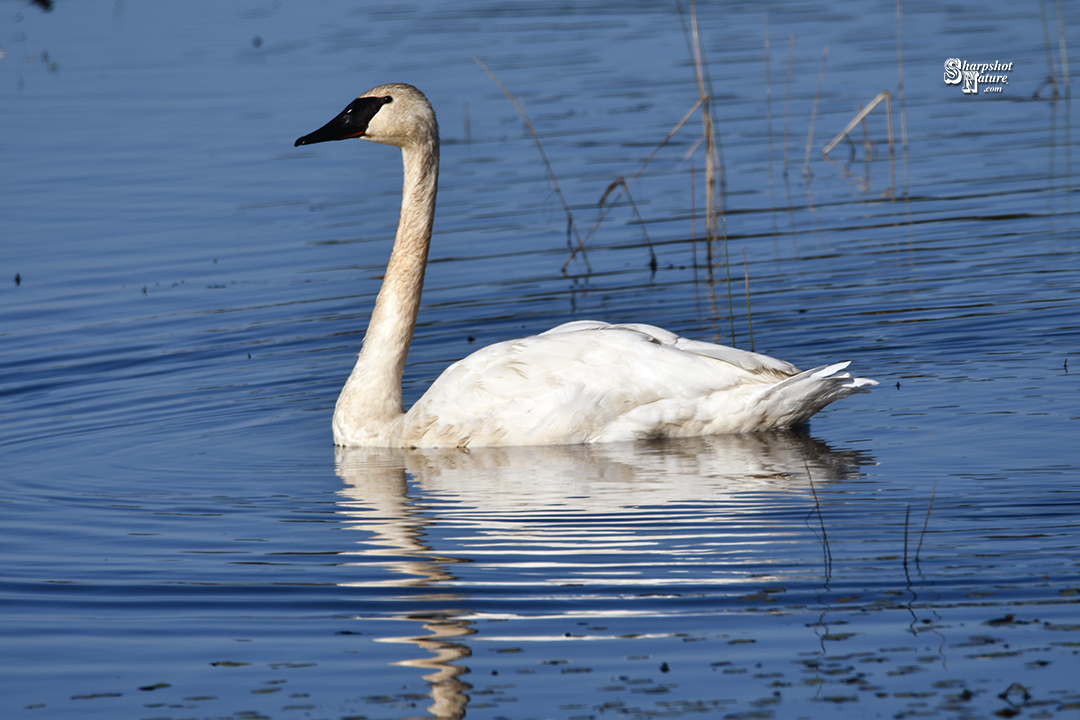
(581, 382)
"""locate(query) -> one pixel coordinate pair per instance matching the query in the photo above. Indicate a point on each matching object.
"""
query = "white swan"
(582, 382)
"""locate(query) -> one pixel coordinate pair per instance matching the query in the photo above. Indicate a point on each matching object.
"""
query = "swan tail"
(796, 399)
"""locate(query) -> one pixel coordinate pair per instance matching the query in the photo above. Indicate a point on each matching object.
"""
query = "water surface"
(182, 540)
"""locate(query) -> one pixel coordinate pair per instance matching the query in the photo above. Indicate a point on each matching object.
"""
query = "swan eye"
(387, 100)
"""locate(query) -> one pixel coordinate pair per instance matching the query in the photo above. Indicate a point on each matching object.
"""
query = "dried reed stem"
(768, 131)
(900, 66)
(749, 317)
(859, 117)
(570, 227)
(883, 95)
(715, 227)
(821, 521)
(606, 209)
(787, 119)
(807, 174)
(693, 243)
(620, 183)
(926, 523)
(1049, 54)
(1062, 50)
(866, 136)
(907, 518)
(787, 99)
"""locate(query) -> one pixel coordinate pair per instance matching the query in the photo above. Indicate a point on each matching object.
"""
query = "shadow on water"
(553, 503)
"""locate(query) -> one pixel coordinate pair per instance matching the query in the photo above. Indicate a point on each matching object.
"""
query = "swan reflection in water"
(513, 503)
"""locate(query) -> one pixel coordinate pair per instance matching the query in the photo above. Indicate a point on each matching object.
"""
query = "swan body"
(581, 382)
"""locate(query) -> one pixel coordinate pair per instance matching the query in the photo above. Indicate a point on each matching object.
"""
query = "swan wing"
(589, 381)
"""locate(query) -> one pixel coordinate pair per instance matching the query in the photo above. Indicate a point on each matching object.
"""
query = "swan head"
(395, 114)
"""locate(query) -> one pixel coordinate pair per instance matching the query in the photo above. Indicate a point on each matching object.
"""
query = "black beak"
(351, 123)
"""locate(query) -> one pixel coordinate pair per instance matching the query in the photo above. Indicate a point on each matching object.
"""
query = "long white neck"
(370, 407)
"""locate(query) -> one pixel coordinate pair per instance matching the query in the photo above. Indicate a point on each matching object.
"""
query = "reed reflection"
(507, 508)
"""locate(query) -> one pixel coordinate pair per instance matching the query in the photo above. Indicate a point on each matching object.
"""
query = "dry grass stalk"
(827, 551)
(787, 119)
(693, 237)
(715, 225)
(883, 95)
(625, 184)
(907, 521)
(1062, 50)
(749, 317)
(900, 66)
(606, 202)
(571, 228)
(787, 102)
(926, 523)
(1052, 79)
(807, 173)
(900, 94)
(768, 128)
(866, 136)
(620, 184)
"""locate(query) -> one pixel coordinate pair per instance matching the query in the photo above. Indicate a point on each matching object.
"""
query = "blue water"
(181, 539)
